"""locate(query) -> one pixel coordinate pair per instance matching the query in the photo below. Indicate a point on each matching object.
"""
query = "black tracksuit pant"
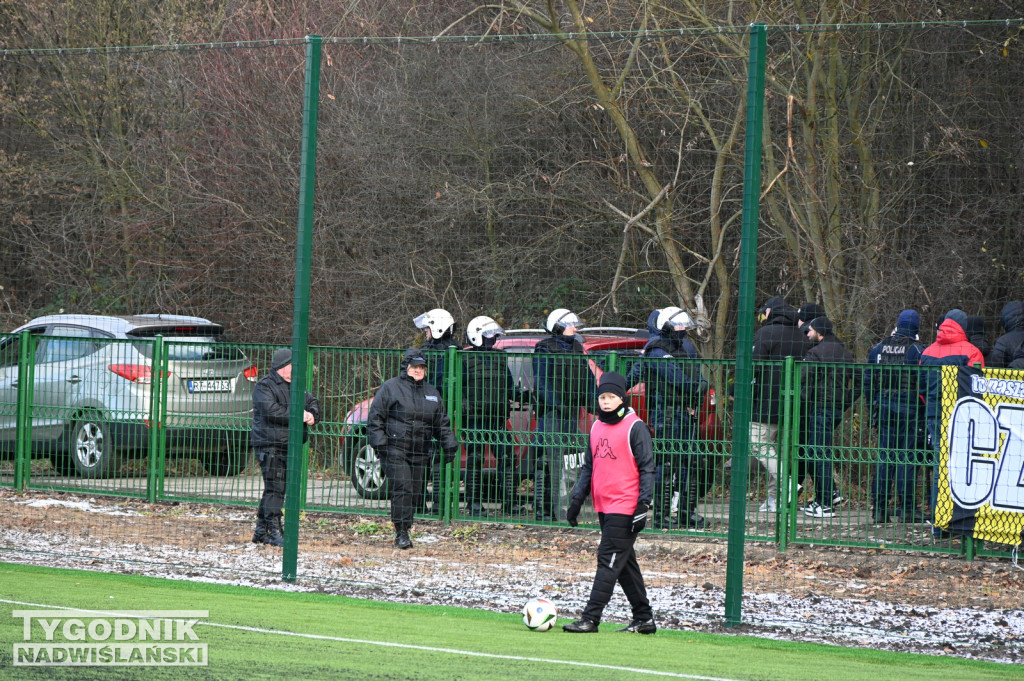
(616, 562)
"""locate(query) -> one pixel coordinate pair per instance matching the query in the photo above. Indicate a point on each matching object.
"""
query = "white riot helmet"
(561, 319)
(672, 317)
(482, 327)
(437, 320)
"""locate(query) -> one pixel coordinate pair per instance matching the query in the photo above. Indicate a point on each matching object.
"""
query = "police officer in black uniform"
(438, 326)
(894, 398)
(563, 383)
(406, 418)
(271, 409)
(487, 393)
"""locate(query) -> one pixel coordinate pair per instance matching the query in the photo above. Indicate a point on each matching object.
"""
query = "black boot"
(275, 535)
(259, 536)
(402, 540)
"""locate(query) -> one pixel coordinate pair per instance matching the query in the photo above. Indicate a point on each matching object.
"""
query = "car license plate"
(219, 385)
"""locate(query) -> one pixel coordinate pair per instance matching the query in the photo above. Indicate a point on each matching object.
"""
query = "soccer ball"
(539, 614)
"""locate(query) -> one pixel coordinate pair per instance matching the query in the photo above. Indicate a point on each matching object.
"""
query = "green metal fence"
(165, 442)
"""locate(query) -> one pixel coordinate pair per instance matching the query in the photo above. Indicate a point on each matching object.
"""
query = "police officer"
(673, 392)
(271, 411)
(406, 418)
(563, 383)
(897, 409)
(486, 395)
(438, 327)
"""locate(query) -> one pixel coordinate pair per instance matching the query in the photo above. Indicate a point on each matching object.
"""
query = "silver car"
(91, 402)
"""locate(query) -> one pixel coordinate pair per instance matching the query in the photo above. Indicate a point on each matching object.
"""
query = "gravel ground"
(848, 597)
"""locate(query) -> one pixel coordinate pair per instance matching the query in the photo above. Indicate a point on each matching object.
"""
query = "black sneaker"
(837, 499)
(639, 627)
(581, 626)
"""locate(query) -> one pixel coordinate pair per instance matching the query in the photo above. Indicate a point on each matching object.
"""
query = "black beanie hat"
(823, 325)
(809, 311)
(774, 302)
(612, 382)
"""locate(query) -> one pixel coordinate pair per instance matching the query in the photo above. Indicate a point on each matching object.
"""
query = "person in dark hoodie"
(828, 392)
(778, 338)
(406, 418)
(618, 472)
(673, 391)
(896, 409)
(975, 330)
(1010, 345)
(951, 347)
(271, 412)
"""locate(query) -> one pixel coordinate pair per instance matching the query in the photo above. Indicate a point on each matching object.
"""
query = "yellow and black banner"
(981, 454)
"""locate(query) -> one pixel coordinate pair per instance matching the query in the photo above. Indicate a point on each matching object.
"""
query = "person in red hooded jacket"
(951, 347)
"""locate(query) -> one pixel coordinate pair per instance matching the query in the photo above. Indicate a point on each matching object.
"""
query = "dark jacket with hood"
(271, 408)
(828, 386)
(407, 416)
(1007, 345)
(975, 330)
(778, 338)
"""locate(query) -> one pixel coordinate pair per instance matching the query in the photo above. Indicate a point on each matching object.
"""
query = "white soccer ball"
(539, 614)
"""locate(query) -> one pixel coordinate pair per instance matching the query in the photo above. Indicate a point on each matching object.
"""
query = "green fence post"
(745, 327)
(789, 417)
(23, 411)
(453, 403)
(300, 324)
(154, 474)
(613, 362)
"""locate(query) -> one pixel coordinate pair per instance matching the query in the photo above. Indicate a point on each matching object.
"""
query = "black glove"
(573, 512)
(639, 518)
(449, 457)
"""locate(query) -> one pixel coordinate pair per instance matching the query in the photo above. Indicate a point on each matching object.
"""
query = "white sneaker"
(837, 498)
(816, 510)
(768, 506)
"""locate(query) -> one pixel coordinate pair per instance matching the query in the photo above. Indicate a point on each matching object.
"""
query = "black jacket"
(487, 384)
(271, 405)
(829, 386)
(1002, 352)
(561, 375)
(779, 338)
(406, 417)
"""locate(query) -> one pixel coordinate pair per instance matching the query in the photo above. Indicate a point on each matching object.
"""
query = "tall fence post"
(745, 327)
(300, 324)
(23, 411)
(154, 464)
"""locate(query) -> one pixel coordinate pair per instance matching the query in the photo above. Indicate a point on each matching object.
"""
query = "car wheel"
(92, 451)
(366, 471)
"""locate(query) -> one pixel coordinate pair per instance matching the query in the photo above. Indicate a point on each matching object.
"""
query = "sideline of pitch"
(407, 646)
